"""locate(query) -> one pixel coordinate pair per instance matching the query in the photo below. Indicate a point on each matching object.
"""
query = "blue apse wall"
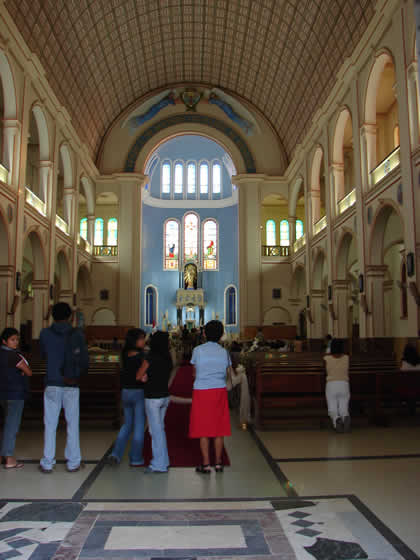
(153, 218)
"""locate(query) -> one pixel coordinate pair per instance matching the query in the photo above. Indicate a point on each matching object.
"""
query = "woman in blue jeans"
(13, 390)
(158, 364)
(132, 396)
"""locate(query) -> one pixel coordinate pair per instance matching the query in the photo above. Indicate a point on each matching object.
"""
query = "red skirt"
(209, 413)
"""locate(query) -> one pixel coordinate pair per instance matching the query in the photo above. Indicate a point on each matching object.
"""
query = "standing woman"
(132, 396)
(13, 390)
(158, 364)
(209, 409)
(337, 390)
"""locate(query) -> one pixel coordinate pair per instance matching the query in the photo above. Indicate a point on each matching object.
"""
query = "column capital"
(340, 284)
(368, 129)
(40, 285)
(245, 179)
(336, 167)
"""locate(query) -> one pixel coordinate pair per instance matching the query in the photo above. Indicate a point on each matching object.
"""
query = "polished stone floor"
(289, 494)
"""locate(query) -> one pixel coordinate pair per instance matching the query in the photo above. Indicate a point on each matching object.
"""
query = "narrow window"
(191, 178)
(171, 248)
(84, 228)
(299, 229)
(179, 183)
(284, 233)
(204, 178)
(99, 232)
(112, 232)
(217, 178)
(191, 237)
(166, 178)
(210, 245)
(270, 232)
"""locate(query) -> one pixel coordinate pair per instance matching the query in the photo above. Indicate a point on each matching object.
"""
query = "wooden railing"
(105, 250)
(275, 250)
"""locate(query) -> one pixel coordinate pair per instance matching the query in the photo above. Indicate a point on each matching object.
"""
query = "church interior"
(168, 163)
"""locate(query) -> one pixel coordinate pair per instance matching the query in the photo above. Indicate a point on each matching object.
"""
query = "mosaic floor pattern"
(283, 529)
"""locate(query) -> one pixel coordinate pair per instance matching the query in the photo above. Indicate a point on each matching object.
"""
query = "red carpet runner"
(183, 451)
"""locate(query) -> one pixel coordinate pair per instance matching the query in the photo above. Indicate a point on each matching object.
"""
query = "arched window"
(99, 232)
(230, 306)
(84, 228)
(299, 229)
(210, 245)
(204, 178)
(270, 232)
(284, 233)
(179, 180)
(171, 248)
(166, 178)
(191, 178)
(217, 178)
(150, 306)
(112, 233)
(191, 237)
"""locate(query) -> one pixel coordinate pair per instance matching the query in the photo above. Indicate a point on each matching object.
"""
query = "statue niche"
(190, 277)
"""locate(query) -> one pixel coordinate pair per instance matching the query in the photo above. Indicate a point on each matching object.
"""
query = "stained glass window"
(210, 245)
(217, 178)
(230, 302)
(191, 178)
(171, 249)
(151, 306)
(204, 178)
(99, 232)
(190, 237)
(270, 232)
(179, 171)
(299, 229)
(166, 178)
(112, 238)
(84, 228)
(284, 233)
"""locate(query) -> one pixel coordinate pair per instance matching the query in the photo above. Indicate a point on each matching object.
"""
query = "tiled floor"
(348, 496)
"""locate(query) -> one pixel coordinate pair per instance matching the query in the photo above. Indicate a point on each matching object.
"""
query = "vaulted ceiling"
(282, 56)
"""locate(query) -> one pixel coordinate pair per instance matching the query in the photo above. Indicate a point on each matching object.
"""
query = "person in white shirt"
(337, 389)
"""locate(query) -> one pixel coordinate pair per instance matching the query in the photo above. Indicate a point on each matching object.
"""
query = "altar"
(190, 300)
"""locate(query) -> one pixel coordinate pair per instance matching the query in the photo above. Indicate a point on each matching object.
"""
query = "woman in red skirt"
(210, 410)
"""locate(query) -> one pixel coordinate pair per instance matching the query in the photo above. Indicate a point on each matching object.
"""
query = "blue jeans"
(56, 398)
(156, 411)
(12, 417)
(134, 420)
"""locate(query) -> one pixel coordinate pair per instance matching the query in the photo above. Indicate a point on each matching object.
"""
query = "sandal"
(203, 469)
(15, 466)
(218, 468)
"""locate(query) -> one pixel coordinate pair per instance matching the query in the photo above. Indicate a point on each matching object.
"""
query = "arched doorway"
(343, 161)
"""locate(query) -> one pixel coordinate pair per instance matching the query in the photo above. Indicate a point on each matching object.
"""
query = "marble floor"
(289, 494)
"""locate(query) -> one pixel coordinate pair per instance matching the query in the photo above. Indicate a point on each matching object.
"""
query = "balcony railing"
(347, 201)
(320, 225)
(105, 250)
(35, 202)
(275, 250)
(299, 243)
(84, 244)
(4, 173)
(61, 224)
(386, 166)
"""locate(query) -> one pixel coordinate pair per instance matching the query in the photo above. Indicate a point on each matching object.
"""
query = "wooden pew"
(99, 393)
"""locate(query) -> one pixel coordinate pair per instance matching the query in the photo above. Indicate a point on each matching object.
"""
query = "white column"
(45, 190)
(91, 229)
(337, 175)
(368, 152)
(292, 232)
(250, 296)
(11, 136)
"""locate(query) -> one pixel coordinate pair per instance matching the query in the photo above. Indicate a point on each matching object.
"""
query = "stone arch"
(67, 165)
(194, 119)
(84, 287)
(43, 132)
(9, 90)
(294, 195)
(277, 314)
(298, 282)
(379, 223)
(342, 255)
(317, 162)
(104, 316)
(39, 254)
(342, 169)
(35, 307)
(383, 57)
(89, 193)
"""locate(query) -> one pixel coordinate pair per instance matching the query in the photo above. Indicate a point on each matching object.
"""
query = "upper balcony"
(32, 199)
(391, 161)
(275, 250)
(84, 244)
(320, 225)
(62, 224)
(105, 250)
(4, 173)
(299, 243)
(346, 202)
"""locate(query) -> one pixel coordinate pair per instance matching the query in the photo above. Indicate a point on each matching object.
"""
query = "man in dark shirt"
(61, 391)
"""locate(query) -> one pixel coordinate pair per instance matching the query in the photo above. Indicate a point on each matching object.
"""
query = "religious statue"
(190, 277)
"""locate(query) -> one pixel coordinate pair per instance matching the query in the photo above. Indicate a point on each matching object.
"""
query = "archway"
(381, 119)
(343, 158)
(319, 296)
(38, 159)
(5, 272)
(104, 316)
(8, 110)
(34, 286)
(387, 258)
(345, 287)
(318, 186)
(277, 315)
